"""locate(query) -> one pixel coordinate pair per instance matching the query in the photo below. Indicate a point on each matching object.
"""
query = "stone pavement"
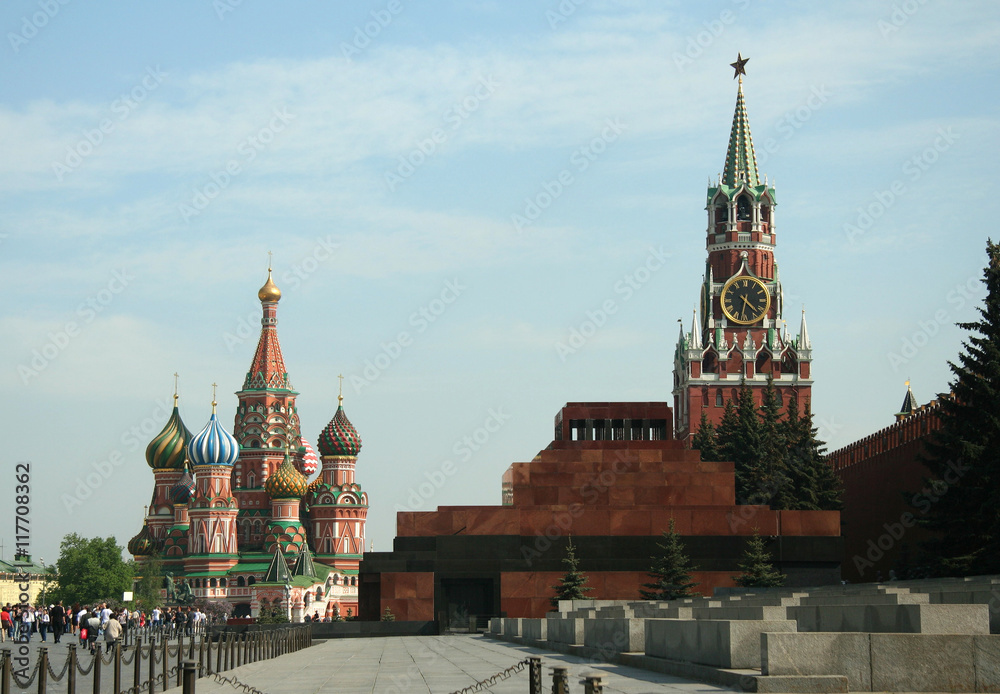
(430, 664)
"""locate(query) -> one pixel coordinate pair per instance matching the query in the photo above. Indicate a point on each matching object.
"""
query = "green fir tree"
(670, 571)
(704, 440)
(573, 584)
(757, 568)
(813, 483)
(960, 501)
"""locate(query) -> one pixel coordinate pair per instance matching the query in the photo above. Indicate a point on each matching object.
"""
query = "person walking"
(43, 621)
(112, 632)
(57, 619)
(27, 622)
(6, 623)
(93, 623)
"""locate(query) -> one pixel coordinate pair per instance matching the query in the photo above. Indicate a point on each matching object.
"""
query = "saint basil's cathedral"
(235, 517)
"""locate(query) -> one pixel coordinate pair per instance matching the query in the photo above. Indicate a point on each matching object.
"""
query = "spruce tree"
(704, 440)
(960, 501)
(757, 568)
(670, 571)
(812, 483)
(771, 478)
(573, 584)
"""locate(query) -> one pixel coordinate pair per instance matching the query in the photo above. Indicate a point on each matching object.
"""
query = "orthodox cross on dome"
(340, 392)
(214, 386)
(269, 254)
(740, 66)
(176, 377)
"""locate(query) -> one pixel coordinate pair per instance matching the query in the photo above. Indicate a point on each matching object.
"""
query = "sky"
(478, 211)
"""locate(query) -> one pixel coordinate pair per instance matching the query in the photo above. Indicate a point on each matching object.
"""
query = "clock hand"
(749, 305)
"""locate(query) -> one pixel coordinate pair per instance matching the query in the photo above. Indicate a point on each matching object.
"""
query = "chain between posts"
(500, 676)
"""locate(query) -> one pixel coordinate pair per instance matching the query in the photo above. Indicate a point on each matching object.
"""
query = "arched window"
(719, 399)
(213, 583)
(251, 480)
(240, 581)
(223, 583)
(722, 213)
(743, 208)
(319, 593)
(251, 581)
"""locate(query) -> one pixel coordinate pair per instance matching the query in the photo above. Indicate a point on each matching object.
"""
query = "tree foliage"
(91, 570)
(960, 501)
(573, 584)
(149, 581)
(757, 568)
(671, 570)
(779, 459)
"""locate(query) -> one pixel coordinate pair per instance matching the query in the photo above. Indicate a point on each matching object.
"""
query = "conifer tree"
(757, 568)
(812, 483)
(771, 478)
(670, 571)
(961, 497)
(573, 585)
(704, 440)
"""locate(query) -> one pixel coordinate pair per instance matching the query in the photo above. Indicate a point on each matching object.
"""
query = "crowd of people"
(93, 622)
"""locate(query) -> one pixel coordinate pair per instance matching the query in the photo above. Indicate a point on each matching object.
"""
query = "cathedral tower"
(212, 507)
(267, 421)
(166, 454)
(738, 332)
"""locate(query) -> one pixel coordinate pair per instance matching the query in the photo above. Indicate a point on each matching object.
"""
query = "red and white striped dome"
(310, 461)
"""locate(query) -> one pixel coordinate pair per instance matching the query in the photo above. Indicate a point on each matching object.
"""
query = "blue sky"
(389, 154)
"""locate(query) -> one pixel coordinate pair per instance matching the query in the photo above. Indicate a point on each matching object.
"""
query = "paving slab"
(431, 665)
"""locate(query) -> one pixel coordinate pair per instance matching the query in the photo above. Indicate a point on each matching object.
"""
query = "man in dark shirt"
(57, 617)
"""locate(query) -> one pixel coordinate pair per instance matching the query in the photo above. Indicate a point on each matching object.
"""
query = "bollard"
(218, 653)
(165, 682)
(97, 669)
(592, 685)
(117, 672)
(152, 668)
(137, 664)
(5, 672)
(189, 676)
(71, 670)
(534, 675)
(43, 668)
(560, 680)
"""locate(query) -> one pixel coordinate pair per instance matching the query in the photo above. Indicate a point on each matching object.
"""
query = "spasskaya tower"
(738, 333)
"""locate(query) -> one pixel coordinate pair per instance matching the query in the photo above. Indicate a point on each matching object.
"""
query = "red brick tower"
(338, 506)
(266, 421)
(738, 331)
(166, 455)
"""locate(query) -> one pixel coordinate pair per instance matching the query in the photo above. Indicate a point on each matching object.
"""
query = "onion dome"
(181, 492)
(213, 445)
(340, 437)
(269, 292)
(166, 451)
(286, 482)
(143, 544)
(310, 461)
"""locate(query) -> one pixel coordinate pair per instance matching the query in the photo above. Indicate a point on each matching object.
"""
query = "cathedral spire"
(741, 161)
(267, 371)
(804, 342)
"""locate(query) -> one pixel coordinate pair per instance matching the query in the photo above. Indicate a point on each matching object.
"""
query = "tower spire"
(267, 371)
(741, 161)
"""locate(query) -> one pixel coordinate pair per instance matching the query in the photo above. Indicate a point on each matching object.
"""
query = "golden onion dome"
(286, 482)
(270, 291)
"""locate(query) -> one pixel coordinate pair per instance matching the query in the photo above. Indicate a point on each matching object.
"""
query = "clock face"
(745, 300)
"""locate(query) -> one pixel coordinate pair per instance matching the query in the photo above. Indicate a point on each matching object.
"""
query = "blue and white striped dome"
(213, 445)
